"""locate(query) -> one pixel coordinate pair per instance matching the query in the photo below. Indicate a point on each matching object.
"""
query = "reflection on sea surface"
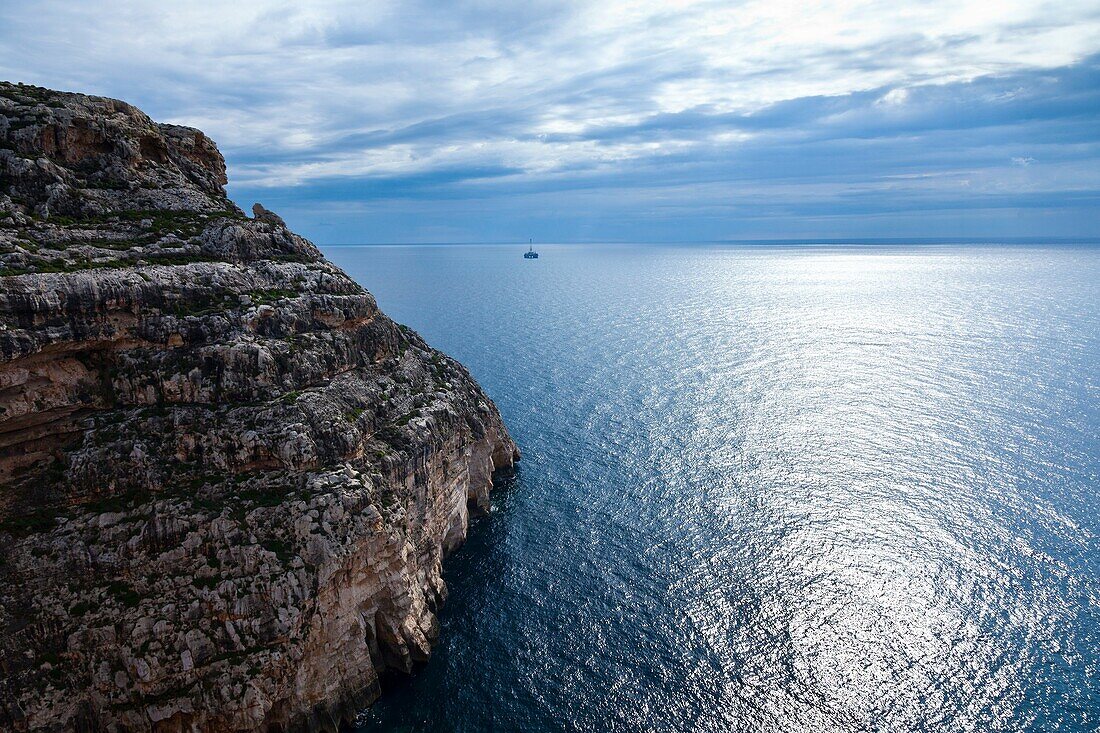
(769, 489)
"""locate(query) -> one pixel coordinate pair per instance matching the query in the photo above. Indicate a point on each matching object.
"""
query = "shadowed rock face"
(227, 480)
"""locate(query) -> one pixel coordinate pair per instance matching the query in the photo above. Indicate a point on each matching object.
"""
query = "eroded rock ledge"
(227, 480)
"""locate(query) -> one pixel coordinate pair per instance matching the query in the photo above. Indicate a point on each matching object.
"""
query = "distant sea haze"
(768, 488)
(810, 242)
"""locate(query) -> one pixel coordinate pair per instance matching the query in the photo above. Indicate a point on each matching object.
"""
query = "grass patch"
(205, 583)
(125, 593)
(271, 295)
(281, 549)
(118, 503)
(40, 521)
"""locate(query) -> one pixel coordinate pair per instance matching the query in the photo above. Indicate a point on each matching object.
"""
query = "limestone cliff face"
(227, 480)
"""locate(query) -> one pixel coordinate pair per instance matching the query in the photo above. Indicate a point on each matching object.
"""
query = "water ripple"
(769, 489)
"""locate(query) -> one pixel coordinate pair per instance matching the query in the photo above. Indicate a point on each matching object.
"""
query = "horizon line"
(754, 241)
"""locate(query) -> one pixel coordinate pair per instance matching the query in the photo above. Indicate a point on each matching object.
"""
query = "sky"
(370, 122)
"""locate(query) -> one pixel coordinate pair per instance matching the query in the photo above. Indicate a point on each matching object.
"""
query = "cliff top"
(78, 156)
(91, 183)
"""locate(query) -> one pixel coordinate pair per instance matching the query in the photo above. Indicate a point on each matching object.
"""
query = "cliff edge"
(227, 480)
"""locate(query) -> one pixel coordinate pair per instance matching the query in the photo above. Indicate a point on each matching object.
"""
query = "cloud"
(705, 117)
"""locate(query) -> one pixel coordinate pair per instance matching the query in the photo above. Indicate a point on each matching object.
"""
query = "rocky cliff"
(227, 480)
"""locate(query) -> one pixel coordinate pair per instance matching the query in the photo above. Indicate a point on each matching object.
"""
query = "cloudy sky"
(582, 121)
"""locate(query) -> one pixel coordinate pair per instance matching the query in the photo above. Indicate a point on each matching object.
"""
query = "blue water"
(769, 489)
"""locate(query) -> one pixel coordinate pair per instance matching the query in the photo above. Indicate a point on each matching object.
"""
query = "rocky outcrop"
(227, 480)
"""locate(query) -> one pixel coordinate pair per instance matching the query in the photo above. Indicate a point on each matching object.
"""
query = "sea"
(768, 488)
